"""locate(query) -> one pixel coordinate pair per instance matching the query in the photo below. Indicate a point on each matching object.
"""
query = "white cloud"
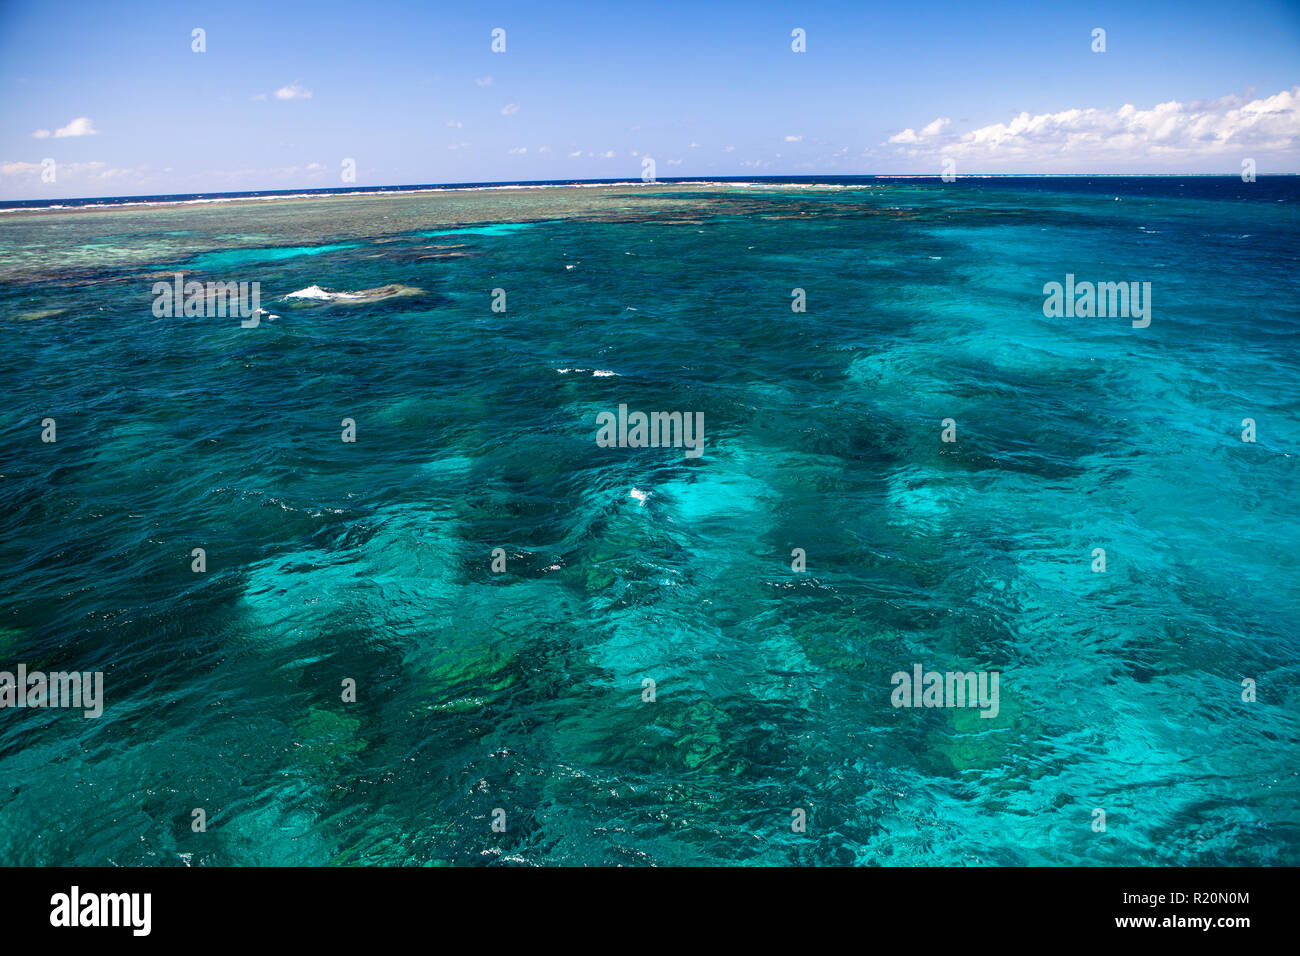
(608, 154)
(294, 91)
(509, 108)
(932, 129)
(576, 152)
(793, 139)
(483, 80)
(729, 149)
(543, 149)
(94, 171)
(1172, 130)
(98, 171)
(674, 162)
(315, 167)
(519, 150)
(81, 126)
(694, 145)
(455, 124)
(458, 146)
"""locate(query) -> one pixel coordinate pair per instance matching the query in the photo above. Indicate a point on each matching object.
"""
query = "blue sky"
(285, 92)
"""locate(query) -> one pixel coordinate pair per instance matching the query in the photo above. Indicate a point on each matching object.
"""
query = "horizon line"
(16, 205)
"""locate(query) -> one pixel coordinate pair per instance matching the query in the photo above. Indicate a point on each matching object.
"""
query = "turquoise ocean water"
(524, 690)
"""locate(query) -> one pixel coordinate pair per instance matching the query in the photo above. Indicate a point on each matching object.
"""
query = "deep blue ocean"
(1162, 691)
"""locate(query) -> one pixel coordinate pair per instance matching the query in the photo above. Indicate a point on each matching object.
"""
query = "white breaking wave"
(382, 293)
(316, 292)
